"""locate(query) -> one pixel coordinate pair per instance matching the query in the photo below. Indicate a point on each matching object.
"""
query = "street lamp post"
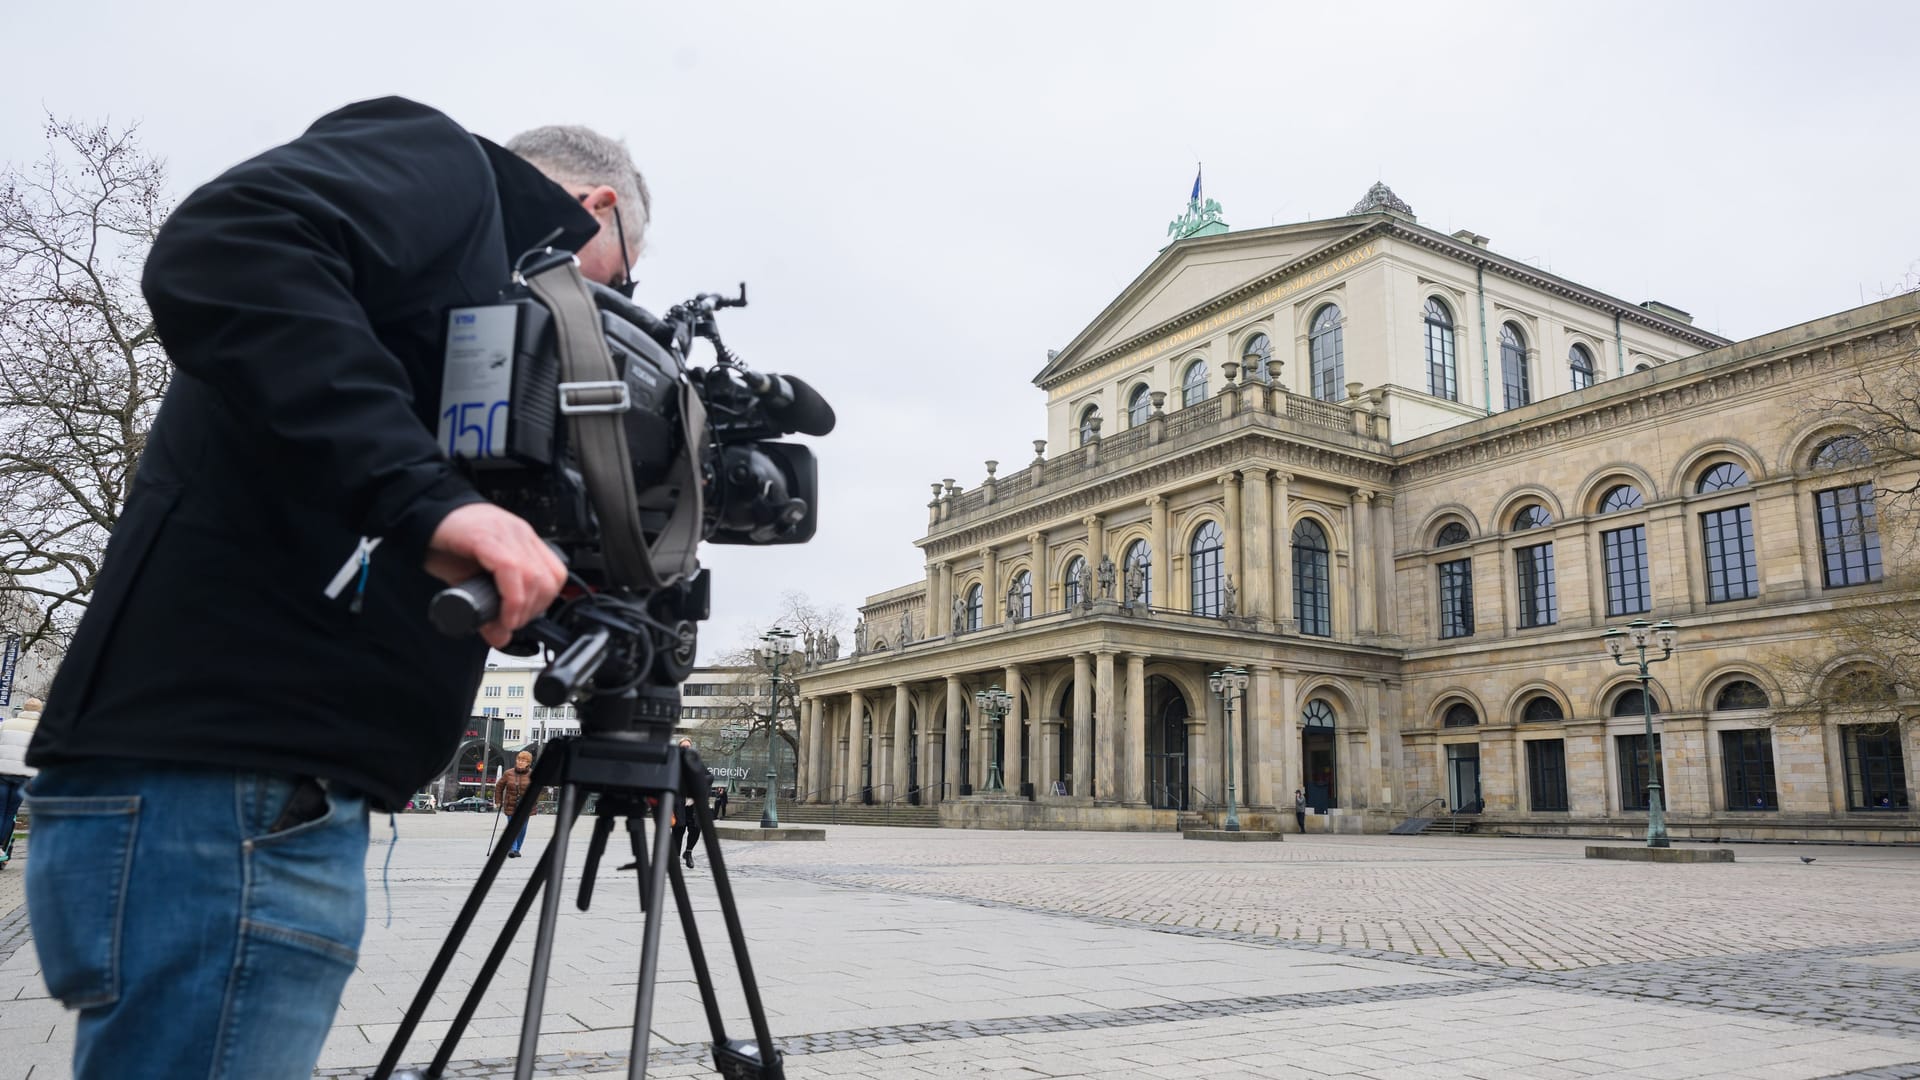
(779, 646)
(1638, 634)
(1229, 683)
(995, 703)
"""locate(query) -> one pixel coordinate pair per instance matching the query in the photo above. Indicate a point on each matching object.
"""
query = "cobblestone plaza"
(906, 953)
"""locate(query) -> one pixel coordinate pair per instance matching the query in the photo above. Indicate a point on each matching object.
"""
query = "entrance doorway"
(1319, 756)
(1167, 778)
(1463, 777)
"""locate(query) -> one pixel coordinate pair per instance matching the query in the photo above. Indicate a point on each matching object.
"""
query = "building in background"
(1405, 482)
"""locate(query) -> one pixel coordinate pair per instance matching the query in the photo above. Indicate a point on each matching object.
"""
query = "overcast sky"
(924, 199)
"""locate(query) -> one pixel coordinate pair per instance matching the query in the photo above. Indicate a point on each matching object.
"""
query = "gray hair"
(581, 155)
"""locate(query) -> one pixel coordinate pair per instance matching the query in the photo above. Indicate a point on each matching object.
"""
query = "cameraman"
(256, 669)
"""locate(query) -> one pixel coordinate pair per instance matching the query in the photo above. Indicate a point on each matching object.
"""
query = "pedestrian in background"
(15, 734)
(685, 823)
(510, 789)
(1300, 809)
(719, 802)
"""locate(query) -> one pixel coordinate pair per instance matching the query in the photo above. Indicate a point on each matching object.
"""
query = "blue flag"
(1195, 197)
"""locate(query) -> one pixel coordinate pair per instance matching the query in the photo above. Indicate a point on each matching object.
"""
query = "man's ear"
(600, 198)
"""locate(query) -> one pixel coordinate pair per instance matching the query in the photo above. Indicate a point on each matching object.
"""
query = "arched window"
(1071, 591)
(1860, 685)
(1139, 555)
(1312, 582)
(1580, 366)
(975, 598)
(1620, 497)
(1441, 380)
(1460, 714)
(1205, 574)
(1193, 386)
(1254, 357)
(1139, 405)
(1023, 581)
(1326, 356)
(1532, 517)
(1452, 533)
(1722, 477)
(1643, 367)
(1740, 694)
(1317, 716)
(1513, 366)
(1088, 426)
(1842, 453)
(1629, 703)
(1540, 710)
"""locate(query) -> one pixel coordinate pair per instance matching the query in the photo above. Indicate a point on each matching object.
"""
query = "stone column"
(993, 602)
(1290, 760)
(1383, 576)
(951, 774)
(1362, 563)
(902, 741)
(935, 611)
(943, 619)
(1230, 557)
(1082, 726)
(1136, 729)
(812, 746)
(856, 743)
(1037, 548)
(1107, 738)
(831, 756)
(1256, 590)
(1096, 544)
(1262, 699)
(1373, 701)
(1046, 753)
(1282, 557)
(1162, 553)
(1010, 734)
(1205, 770)
(1397, 789)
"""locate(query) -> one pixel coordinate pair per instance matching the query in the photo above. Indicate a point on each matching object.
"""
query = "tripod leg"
(653, 885)
(602, 828)
(695, 953)
(637, 840)
(737, 937)
(542, 773)
(556, 860)
(468, 1007)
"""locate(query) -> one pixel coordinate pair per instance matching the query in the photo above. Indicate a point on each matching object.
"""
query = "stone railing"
(1193, 416)
(1320, 413)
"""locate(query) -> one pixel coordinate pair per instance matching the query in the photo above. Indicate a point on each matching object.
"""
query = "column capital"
(1281, 476)
(989, 552)
(1227, 479)
(1033, 539)
(1361, 495)
(1383, 498)
(1090, 520)
(1154, 500)
(1255, 474)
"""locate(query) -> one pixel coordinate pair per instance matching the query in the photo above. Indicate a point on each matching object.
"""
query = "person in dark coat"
(510, 789)
(256, 670)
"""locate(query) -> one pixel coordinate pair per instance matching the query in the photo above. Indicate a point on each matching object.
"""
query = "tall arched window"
(975, 598)
(1139, 555)
(1740, 694)
(1580, 366)
(1541, 710)
(1312, 583)
(1722, 477)
(1513, 366)
(1087, 426)
(1842, 453)
(1071, 591)
(1139, 405)
(1023, 582)
(1441, 380)
(1620, 497)
(1193, 385)
(1452, 533)
(1254, 357)
(1327, 356)
(1460, 714)
(1205, 550)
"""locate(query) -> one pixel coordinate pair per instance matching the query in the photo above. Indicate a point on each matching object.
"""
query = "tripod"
(636, 778)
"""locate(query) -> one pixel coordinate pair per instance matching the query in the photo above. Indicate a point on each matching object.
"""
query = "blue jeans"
(521, 836)
(12, 788)
(196, 939)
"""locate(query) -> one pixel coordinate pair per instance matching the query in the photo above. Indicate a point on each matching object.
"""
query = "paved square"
(921, 953)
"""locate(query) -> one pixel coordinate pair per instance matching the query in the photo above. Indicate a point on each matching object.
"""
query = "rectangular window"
(1727, 536)
(1876, 774)
(1746, 760)
(1539, 604)
(1849, 536)
(1547, 774)
(1456, 598)
(516, 691)
(491, 691)
(1625, 553)
(1634, 770)
(491, 710)
(512, 735)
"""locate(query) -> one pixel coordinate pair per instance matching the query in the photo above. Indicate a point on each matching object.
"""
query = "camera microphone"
(791, 403)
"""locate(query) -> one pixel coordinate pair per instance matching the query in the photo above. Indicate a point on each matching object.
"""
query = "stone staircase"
(1191, 820)
(1428, 826)
(914, 817)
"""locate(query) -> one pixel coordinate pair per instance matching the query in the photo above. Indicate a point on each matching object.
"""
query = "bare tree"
(81, 370)
(762, 703)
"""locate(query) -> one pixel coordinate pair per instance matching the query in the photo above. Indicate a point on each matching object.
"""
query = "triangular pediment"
(1193, 273)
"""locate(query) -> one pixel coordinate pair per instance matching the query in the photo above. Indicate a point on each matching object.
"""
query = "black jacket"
(301, 297)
